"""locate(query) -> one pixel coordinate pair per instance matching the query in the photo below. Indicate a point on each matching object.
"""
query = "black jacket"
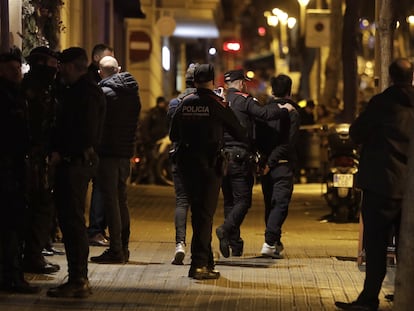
(81, 111)
(199, 123)
(247, 109)
(384, 130)
(13, 121)
(123, 106)
(276, 139)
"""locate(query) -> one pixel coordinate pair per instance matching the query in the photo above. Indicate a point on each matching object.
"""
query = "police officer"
(238, 182)
(197, 128)
(38, 85)
(78, 131)
(181, 199)
(14, 146)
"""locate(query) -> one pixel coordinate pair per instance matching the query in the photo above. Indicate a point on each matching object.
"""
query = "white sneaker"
(272, 251)
(179, 254)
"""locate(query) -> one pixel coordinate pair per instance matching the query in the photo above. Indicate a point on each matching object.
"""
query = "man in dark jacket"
(238, 182)
(78, 132)
(278, 145)
(197, 127)
(384, 130)
(181, 199)
(115, 151)
(14, 146)
(39, 88)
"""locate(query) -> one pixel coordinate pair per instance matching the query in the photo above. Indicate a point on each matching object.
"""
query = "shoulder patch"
(219, 100)
(245, 95)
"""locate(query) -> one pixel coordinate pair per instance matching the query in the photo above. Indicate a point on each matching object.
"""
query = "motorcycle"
(162, 167)
(343, 159)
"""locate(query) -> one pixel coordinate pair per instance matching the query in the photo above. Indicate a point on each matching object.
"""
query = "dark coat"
(384, 130)
(13, 121)
(276, 139)
(81, 111)
(123, 107)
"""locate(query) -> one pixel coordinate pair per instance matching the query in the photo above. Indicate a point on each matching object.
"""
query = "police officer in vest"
(238, 183)
(197, 128)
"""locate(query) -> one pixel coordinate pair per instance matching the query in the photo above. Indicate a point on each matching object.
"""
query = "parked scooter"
(343, 159)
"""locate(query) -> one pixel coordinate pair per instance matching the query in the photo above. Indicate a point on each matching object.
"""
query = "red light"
(231, 46)
(261, 31)
(137, 159)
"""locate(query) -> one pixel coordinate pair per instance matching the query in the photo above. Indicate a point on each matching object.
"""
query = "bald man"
(115, 150)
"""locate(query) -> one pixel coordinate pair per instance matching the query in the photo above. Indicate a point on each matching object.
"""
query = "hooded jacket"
(384, 130)
(122, 113)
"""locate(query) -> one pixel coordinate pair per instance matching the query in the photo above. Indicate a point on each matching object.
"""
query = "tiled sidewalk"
(319, 265)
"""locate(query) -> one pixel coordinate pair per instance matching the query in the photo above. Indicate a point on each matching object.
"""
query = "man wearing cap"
(197, 128)
(238, 183)
(39, 88)
(78, 130)
(181, 199)
(14, 146)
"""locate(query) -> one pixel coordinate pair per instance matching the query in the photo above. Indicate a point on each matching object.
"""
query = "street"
(319, 264)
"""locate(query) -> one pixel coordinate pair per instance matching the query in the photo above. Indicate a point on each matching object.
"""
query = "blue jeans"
(111, 182)
(277, 188)
(181, 206)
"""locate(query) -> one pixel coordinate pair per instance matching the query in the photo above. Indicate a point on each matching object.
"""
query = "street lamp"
(302, 17)
(410, 21)
(273, 21)
(283, 18)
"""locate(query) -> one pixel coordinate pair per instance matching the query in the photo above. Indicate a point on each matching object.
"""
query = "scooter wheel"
(341, 214)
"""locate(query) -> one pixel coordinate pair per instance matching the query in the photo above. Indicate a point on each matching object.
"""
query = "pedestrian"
(181, 199)
(197, 128)
(97, 222)
(99, 51)
(307, 113)
(39, 88)
(383, 130)
(14, 147)
(78, 131)
(115, 151)
(154, 126)
(238, 182)
(278, 146)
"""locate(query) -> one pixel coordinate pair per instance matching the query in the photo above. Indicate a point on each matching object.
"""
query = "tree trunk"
(349, 59)
(332, 70)
(385, 36)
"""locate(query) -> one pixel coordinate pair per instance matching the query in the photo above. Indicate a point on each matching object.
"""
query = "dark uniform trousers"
(381, 215)
(12, 221)
(71, 184)
(237, 192)
(277, 187)
(41, 210)
(202, 183)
